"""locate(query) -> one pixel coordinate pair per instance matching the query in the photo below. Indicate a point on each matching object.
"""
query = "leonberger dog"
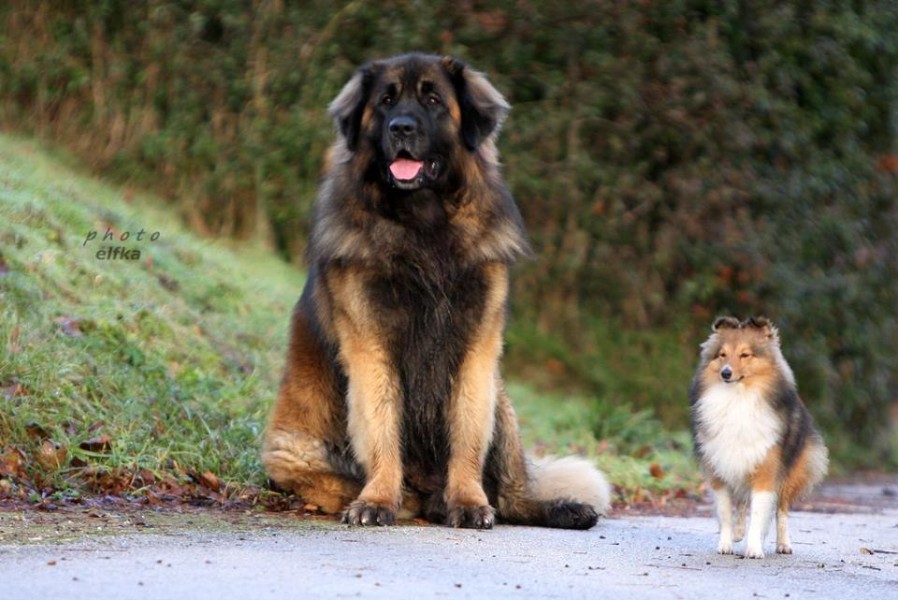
(391, 402)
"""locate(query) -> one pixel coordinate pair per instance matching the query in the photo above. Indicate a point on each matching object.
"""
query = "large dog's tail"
(571, 479)
(567, 493)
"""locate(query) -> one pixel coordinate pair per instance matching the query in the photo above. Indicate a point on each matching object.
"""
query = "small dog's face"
(735, 359)
(739, 351)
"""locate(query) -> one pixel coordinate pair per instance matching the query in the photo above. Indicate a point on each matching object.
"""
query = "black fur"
(799, 425)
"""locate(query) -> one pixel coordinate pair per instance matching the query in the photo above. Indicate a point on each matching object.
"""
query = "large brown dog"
(392, 397)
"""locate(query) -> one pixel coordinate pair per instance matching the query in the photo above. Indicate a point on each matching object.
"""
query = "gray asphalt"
(843, 555)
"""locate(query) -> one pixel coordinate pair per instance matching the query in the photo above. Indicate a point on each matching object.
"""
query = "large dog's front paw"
(472, 517)
(364, 513)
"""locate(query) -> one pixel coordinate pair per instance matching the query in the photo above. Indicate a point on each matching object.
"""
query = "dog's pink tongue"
(405, 169)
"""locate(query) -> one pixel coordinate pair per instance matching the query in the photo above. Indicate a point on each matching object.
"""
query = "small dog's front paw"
(753, 551)
(725, 543)
(472, 517)
(364, 513)
(783, 549)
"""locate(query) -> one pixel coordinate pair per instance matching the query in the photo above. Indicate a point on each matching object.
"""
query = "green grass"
(118, 373)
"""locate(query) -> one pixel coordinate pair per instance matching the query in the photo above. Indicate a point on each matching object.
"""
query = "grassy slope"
(174, 356)
(169, 363)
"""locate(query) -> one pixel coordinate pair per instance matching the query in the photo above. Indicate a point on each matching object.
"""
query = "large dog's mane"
(481, 222)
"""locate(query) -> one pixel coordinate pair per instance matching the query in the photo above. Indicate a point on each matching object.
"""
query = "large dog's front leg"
(374, 429)
(472, 411)
(374, 408)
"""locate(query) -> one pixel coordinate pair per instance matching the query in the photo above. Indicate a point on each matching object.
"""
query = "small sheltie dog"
(754, 439)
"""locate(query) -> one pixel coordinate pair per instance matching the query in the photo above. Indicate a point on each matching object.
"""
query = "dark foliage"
(673, 160)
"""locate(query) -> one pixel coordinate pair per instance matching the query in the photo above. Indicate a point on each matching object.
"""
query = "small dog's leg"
(739, 532)
(783, 545)
(762, 507)
(723, 500)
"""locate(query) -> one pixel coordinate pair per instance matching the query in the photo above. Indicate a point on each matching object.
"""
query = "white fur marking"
(762, 507)
(736, 429)
(724, 503)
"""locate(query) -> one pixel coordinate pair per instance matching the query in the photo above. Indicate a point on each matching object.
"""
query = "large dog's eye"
(434, 100)
(387, 100)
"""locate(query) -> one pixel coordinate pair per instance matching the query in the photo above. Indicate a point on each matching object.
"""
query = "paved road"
(844, 555)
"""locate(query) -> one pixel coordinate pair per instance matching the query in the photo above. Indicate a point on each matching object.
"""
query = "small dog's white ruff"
(736, 428)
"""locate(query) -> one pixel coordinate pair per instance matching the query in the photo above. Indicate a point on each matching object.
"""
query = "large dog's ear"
(483, 108)
(349, 105)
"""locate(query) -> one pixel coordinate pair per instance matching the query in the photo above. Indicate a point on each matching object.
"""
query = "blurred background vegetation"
(673, 160)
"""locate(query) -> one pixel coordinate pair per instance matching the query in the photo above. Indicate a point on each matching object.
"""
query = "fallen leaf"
(656, 471)
(100, 443)
(51, 455)
(643, 452)
(68, 326)
(209, 480)
(36, 431)
(13, 390)
(12, 463)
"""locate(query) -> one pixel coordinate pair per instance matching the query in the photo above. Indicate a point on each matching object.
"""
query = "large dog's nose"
(726, 373)
(403, 126)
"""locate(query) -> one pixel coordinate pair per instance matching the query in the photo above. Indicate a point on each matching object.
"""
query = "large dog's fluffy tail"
(570, 479)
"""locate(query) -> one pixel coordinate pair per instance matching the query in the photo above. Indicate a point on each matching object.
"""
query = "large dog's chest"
(429, 320)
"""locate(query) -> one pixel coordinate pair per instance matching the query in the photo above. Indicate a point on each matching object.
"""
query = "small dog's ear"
(483, 108)
(725, 323)
(764, 326)
(349, 105)
(756, 322)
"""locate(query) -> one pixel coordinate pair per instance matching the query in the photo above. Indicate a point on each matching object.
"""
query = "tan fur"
(766, 477)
